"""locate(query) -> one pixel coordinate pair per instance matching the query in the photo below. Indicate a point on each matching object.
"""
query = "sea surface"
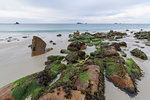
(69, 28)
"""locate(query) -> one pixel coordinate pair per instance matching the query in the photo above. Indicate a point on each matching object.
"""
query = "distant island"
(81, 23)
(17, 23)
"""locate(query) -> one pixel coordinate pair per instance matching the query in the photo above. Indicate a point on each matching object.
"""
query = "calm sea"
(69, 28)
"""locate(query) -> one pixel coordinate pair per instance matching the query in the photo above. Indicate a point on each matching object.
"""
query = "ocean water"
(69, 28)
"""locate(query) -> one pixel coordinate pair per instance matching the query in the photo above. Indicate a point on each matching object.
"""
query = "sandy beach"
(16, 62)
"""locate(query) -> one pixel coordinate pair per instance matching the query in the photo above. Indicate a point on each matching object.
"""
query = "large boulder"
(38, 46)
(118, 75)
(76, 46)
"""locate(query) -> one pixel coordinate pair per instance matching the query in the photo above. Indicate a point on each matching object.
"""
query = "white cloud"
(73, 11)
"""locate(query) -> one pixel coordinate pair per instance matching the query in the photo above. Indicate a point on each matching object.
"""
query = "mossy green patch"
(56, 69)
(21, 92)
(37, 93)
(84, 76)
(93, 54)
(133, 69)
(113, 68)
(124, 54)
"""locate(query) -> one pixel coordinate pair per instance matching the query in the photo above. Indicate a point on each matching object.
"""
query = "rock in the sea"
(38, 46)
(138, 53)
(76, 46)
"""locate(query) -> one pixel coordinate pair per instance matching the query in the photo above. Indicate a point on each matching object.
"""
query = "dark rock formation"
(76, 46)
(123, 44)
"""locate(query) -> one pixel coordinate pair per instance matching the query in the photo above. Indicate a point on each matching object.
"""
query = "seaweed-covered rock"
(116, 73)
(138, 53)
(123, 44)
(52, 58)
(64, 51)
(105, 51)
(76, 46)
(77, 33)
(38, 46)
(72, 57)
(133, 69)
(91, 82)
(59, 35)
(81, 54)
(116, 45)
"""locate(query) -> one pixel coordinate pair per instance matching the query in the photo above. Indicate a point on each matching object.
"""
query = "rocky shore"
(77, 75)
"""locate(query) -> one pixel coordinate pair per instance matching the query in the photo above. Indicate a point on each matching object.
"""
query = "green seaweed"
(56, 69)
(96, 52)
(113, 68)
(84, 76)
(37, 93)
(133, 69)
(21, 92)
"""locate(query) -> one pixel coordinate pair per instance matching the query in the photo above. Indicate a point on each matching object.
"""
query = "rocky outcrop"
(38, 46)
(125, 83)
(6, 93)
(117, 74)
(138, 53)
(76, 46)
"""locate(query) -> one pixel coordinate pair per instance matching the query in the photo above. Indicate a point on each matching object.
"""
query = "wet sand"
(16, 62)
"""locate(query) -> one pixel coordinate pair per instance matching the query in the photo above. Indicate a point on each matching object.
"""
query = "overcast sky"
(72, 11)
